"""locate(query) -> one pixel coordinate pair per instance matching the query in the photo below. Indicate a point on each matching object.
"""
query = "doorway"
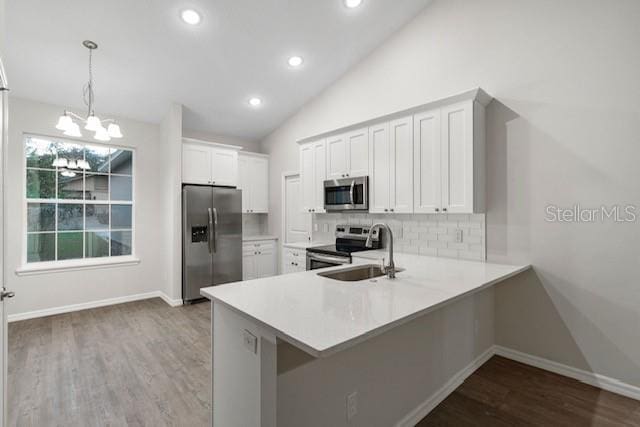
(296, 224)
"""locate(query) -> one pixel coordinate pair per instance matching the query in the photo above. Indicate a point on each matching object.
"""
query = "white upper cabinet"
(426, 161)
(358, 152)
(449, 159)
(206, 164)
(348, 154)
(380, 168)
(313, 172)
(196, 164)
(401, 165)
(253, 180)
(337, 163)
(391, 167)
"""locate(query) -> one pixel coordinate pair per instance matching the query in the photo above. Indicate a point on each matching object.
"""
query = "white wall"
(251, 146)
(563, 129)
(51, 290)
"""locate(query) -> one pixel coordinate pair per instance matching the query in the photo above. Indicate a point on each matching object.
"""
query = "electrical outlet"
(458, 235)
(325, 227)
(315, 226)
(250, 341)
(352, 405)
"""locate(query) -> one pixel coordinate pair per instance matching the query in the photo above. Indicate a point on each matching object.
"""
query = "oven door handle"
(326, 258)
(351, 192)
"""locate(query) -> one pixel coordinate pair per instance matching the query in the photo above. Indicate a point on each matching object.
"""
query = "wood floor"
(147, 364)
(135, 364)
(507, 393)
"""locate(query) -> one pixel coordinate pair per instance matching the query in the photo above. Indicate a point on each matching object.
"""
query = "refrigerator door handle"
(215, 230)
(210, 239)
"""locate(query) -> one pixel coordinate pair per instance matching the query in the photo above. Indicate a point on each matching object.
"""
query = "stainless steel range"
(349, 239)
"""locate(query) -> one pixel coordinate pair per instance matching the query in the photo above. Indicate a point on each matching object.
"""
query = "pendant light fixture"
(91, 122)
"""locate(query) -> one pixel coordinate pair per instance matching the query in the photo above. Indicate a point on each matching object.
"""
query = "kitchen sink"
(354, 274)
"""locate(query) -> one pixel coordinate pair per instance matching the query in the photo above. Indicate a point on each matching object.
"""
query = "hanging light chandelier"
(91, 122)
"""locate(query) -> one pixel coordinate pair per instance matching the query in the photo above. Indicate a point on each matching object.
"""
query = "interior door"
(297, 223)
(227, 235)
(4, 294)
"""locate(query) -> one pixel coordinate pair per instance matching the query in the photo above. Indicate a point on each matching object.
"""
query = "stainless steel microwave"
(346, 194)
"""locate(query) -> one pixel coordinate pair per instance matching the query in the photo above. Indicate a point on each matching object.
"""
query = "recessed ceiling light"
(190, 16)
(295, 61)
(352, 3)
(255, 102)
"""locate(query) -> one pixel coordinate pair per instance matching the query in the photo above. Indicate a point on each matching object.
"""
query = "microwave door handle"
(352, 191)
(210, 239)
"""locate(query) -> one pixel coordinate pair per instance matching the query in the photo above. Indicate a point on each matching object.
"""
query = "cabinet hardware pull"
(437, 210)
(444, 209)
(386, 210)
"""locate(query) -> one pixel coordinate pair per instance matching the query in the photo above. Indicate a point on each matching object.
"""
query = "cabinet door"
(224, 167)
(196, 164)
(308, 191)
(401, 165)
(266, 262)
(259, 184)
(337, 157)
(426, 158)
(244, 182)
(248, 262)
(358, 153)
(319, 175)
(379, 168)
(457, 158)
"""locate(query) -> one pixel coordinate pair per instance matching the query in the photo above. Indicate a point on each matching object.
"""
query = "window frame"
(84, 262)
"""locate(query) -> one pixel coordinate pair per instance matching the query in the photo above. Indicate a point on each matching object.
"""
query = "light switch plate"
(250, 342)
(458, 235)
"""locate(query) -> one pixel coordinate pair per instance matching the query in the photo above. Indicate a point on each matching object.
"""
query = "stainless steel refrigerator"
(211, 238)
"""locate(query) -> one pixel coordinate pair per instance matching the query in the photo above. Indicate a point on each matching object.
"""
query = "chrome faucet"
(390, 270)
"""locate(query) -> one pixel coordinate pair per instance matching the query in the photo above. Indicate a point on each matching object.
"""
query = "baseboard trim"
(92, 304)
(597, 380)
(435, 399)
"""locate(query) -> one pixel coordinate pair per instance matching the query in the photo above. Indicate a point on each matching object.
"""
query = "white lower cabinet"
(259, 259)
(293, 260)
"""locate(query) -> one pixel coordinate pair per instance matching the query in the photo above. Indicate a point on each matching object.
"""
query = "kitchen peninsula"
(302, 349)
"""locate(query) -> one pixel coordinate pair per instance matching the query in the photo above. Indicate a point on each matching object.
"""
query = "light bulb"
(114, 130)
(102, 134)
(73, 130)
(352, 3)
(93, 123)
(295, 61)
(64, 123)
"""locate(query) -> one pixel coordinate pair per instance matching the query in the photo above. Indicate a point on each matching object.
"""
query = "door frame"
(4, 137)
(283, 209)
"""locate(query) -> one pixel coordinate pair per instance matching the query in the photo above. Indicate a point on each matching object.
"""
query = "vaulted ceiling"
(148, 57)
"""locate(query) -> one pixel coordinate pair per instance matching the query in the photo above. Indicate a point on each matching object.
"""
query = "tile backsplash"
(426, 234)
(254, 224)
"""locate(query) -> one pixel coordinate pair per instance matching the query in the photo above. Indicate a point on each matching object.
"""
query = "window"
(79, 200)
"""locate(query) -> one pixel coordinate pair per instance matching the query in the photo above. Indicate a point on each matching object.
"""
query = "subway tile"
(477, 256)
(437, 244)
(447, 237)
(458, 246)
(437, 230)
(428, 251)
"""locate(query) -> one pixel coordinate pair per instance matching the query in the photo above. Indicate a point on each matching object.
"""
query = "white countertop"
(323, 316)
(304, 245)
(258, 237)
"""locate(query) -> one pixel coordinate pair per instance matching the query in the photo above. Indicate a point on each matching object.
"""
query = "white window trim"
(31, 268)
